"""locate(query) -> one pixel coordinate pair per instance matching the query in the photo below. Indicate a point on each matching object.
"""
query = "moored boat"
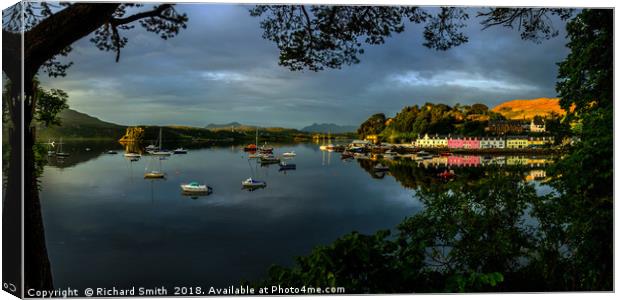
(180, 151)
(132, 155)
(287, 166)
(253, 183)
(381, 168)
(195, 187)
(289, 154)
(268, 159)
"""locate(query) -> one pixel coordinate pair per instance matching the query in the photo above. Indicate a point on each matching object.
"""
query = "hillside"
(527, 109)
(80, 126)
(77, 125)
(329, 127)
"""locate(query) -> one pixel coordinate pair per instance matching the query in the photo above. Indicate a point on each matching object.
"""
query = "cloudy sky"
(221, 70)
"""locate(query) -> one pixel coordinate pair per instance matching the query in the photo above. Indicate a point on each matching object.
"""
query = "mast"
(256, 143)
(159, 138)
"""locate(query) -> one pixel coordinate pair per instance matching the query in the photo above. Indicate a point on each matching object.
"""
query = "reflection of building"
(536, 162)
(537, 125)
(536, 175)
(435, 141)
(441, 161)
(464, 143)
(517, 161)
(464, 161)
(517, 142)
(492, 143)
(540, 141)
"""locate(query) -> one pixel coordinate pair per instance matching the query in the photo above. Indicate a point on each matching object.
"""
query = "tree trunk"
(36, 262)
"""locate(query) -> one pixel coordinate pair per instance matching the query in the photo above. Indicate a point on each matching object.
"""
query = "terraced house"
(492, 143)
(517, 142)
(464, 143)
(435, 141)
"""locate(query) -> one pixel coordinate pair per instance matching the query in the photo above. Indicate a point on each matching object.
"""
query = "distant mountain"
(80, 126)
(527, 109)
(219, 126)
(329, 127)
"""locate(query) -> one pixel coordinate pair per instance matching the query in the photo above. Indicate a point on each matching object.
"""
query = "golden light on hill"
(527, 109)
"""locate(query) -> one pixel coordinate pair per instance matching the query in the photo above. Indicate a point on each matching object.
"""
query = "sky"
(221, 70)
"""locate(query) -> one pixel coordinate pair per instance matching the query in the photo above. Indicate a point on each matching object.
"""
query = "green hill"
(77, 125)
(80, 126)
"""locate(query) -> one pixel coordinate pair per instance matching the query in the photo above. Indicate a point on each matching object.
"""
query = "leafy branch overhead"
(316, 37)
(71, 21)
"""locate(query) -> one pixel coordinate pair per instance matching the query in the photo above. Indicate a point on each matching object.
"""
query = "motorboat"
(250, 148)
(195, 187)
(253, 183)
(154, 175)
(151, 147)
(112, 152)
(289, 154)
(268, 159)
(180, 151)
(381, 168)
(132, 155)
(287, 166)
(160, 153)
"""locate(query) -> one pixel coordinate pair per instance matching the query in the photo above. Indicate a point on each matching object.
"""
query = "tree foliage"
(431, 118)
(373, 125)
(316, 37)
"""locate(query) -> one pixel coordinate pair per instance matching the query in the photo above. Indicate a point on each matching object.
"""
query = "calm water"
(107, 226)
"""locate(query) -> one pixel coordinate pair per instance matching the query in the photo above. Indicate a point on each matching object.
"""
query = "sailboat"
(50, 147)
(154, 173)
(160, 151)
(252, 184)
(252, 147)
(60, 153)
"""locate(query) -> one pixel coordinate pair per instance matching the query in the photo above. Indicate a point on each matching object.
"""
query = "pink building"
(464, 161)
(464, 143)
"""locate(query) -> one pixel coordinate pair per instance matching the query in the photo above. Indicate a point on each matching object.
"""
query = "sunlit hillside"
(527, 109)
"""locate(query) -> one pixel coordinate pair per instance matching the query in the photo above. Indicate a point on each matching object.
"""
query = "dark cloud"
(221, 70)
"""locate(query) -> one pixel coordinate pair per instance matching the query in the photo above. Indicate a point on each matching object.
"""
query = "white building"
(492, 143)
(432, 142)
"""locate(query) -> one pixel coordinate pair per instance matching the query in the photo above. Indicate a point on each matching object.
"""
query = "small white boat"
(381, 168)
(253, 183)
(289, 154)
(154, 175)
(194, 187)
(132, 155)
(111, 152)
(160, 153)
(151, 147)
(87, 149)
(180, 151)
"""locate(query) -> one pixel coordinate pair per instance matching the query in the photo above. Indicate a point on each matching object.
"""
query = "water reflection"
(100, 212)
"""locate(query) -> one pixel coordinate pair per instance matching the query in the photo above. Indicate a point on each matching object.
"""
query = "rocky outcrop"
(133, 134)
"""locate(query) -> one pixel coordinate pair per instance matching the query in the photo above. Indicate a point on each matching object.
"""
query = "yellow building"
(432, 142)
(517, 142)
(372, 138)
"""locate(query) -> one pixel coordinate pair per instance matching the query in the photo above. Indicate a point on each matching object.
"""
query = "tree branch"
(152, 13)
